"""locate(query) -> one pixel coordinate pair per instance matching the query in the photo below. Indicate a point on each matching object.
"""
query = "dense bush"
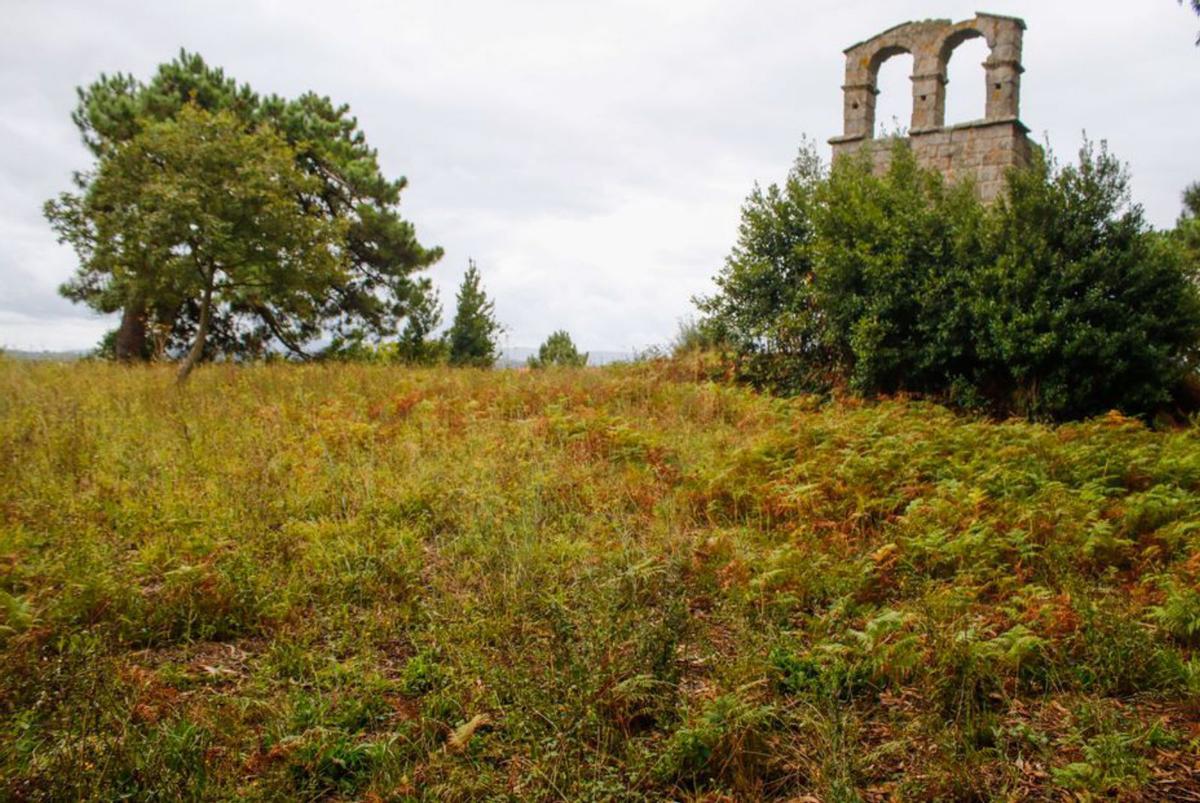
(1056, 301)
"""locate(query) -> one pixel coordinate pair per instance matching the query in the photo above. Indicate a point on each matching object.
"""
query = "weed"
(303, 582)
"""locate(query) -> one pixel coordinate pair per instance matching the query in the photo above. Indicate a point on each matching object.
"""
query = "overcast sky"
(591, 157)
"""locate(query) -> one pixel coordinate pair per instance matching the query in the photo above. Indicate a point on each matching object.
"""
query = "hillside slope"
(368, 583)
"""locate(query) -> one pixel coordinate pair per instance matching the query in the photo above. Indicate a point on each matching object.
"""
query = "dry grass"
(349, 582)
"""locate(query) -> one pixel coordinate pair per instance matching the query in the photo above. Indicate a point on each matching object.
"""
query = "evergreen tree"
(376, 292)
(198, 213)
(558, 350)
(416, 345)
(1191, 200)
(472, 335)
(1188, 228)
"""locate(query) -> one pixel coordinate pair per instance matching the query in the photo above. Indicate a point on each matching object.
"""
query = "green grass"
(349, 582)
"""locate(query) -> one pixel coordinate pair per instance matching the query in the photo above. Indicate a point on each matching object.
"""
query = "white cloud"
(591, 157)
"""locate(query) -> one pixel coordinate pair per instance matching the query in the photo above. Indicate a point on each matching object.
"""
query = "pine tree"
(558, 350)
(1187, 229)
(380, 286)
(198, 210)
(1191, 201)
(415, 345)
(472, 336)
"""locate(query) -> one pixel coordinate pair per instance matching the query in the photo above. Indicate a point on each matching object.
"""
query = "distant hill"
(516, 357)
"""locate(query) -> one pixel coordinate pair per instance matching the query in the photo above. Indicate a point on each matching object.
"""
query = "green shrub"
(1114, 654)
(1085, 308)
(1109, 768)
(1057, 301)
(330, 762)
(693, 336)
(558, 350)
(421, 674)
(724, 741)
(1179, 613)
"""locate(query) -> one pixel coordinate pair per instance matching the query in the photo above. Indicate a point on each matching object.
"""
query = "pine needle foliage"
(383, 259)
(558, 351)
(472, 338)
(198, 210)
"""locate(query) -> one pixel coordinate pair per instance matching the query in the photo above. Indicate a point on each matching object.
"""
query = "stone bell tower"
(984, 149)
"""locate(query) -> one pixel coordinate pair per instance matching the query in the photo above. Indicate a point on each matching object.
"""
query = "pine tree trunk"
(197, 349)
(130, 344)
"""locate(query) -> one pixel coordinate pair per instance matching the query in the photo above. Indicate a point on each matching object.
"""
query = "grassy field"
(343, 582)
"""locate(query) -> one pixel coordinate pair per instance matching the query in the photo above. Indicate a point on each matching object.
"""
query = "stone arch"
(980, 149)
(896, 100)
(1003, 68)
(951, 44)
(960, 34)
(931, 42)
(882, 55)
